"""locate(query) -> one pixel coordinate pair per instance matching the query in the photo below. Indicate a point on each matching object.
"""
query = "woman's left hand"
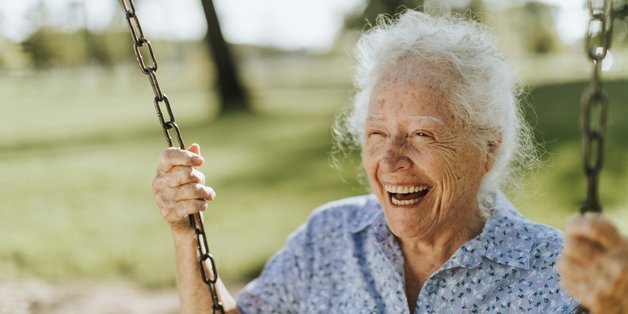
(594, 264)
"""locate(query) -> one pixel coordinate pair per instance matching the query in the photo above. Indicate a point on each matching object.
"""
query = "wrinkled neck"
(439, 245)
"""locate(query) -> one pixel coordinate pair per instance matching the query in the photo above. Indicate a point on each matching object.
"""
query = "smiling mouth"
(406, 195)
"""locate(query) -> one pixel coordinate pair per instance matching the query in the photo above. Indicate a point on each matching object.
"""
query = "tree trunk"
(232, 94)
(374, 8)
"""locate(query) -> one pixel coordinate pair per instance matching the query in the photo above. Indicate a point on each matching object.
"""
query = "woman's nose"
(396, 157)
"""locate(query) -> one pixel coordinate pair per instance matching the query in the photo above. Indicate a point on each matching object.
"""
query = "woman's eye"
(422, 134)
(375, 134)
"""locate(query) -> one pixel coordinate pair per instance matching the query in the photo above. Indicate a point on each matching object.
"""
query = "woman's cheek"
(449, 181)
(443, 166)
(370, 159)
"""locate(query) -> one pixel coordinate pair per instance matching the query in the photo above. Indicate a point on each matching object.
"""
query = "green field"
(80, 148)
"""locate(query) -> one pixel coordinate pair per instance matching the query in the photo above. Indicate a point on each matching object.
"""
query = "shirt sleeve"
(283, 282)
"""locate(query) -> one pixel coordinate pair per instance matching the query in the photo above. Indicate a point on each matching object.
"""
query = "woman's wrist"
(182, 231)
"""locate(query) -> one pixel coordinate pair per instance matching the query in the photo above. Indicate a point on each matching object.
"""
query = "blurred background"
(79, 231)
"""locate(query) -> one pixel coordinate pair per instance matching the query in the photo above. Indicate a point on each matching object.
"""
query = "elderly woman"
(439, 128)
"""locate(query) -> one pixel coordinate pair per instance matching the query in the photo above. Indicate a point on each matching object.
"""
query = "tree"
(376, 7)
(540, 31)
(528, 28)
(470, 8)
(232, 94)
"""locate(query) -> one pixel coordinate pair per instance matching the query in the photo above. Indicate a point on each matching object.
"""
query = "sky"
(288, 24)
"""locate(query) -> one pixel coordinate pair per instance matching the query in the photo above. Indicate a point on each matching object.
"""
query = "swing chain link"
(207, 266)
(594, 105)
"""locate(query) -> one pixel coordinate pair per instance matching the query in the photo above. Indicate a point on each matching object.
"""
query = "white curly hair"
(485, 90)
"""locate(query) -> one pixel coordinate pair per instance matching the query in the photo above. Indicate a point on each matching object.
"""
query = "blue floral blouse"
(345, 260)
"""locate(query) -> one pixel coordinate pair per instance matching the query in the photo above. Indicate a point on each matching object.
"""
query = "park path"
(36, 297)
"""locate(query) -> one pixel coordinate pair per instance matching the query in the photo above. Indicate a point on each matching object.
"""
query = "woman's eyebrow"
(424, 117)
(379, 117)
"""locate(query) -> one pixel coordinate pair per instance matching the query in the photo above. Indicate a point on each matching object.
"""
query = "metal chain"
(206, 263)
(594, 104)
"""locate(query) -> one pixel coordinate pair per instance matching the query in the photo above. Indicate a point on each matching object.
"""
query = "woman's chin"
(406, 230)
(408, 220)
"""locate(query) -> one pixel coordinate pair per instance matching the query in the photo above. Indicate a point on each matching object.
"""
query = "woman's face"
(421, 163)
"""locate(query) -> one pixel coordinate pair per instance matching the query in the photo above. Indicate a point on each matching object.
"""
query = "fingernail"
(211, 192)
(197, 159)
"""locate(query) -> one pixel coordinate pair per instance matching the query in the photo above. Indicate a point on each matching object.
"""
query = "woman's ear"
(491, 152)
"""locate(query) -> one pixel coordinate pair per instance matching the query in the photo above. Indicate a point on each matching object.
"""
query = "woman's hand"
(594, 264)
(179, 188)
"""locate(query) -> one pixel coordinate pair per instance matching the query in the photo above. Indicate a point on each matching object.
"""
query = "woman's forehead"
(429, 83)
(410, 98)
(434, 74)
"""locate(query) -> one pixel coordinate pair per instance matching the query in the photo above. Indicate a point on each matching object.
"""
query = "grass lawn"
(81, 146)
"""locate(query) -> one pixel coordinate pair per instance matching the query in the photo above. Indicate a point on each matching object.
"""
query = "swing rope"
(206, 263)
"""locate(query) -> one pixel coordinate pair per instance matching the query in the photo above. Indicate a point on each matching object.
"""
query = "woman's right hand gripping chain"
(179, 187)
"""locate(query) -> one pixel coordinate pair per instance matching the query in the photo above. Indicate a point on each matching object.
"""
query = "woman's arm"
(180, 190)
(193, 292)
(594, 264)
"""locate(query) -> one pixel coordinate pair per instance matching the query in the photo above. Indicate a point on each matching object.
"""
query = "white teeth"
(404, 189)
(404, 202)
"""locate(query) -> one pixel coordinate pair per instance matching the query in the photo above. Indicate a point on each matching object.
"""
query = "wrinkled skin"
(179, 188)
(594, 264)
(412, 138)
